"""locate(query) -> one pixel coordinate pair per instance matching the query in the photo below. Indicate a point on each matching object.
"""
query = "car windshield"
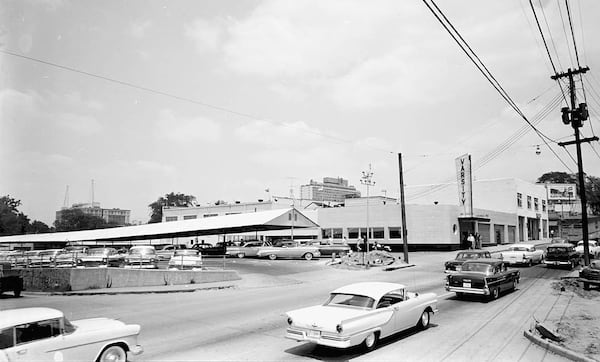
(142, 251)
(518, 248)
(99, 251)
(557, 250)
(477, 267)
(352, 300)
(468, 255)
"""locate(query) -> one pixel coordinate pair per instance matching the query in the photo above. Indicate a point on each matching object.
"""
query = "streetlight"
(367, 180)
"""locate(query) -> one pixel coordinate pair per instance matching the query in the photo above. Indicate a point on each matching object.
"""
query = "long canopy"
(217, 225)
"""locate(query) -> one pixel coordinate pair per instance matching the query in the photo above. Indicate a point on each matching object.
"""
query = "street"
(248, 323)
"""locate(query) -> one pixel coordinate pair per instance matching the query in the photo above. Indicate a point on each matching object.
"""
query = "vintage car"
(45, 334)
(524, 254)
(44, 258)
(590, 275)
(141, 257)
(22, 259)
(452, 266)
(593, 249)
(288, 249)
(186, 259)
(330, 248)
(208, 249)
(361, 313)
(561, 255)
(100, 257)
(166, 252)
(488, 277)
(11, 279)
(247, 249)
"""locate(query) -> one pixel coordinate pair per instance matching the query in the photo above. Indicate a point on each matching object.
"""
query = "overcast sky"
(223, 99)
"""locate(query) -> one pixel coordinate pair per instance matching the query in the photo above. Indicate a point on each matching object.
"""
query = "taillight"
(290, 321)
(339, 328)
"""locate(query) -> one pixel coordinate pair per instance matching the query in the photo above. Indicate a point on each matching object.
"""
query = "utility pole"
(403, 210)
(367, 180)
(575, 116)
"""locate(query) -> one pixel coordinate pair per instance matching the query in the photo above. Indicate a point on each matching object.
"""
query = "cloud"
(206, 35)
(80, 124)
(186, 130)
(138, 29)
(290, 135)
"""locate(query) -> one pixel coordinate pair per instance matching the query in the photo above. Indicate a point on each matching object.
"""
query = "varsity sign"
(465, 190)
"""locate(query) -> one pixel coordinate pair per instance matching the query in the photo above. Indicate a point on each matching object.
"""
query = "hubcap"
(425, 319)
(370, 340)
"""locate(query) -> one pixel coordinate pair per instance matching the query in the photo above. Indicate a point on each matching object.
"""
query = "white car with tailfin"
(361, 313)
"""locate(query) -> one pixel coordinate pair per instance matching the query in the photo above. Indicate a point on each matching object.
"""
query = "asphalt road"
(248, 323)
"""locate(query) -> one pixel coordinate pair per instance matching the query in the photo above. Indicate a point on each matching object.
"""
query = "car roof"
(560, 245)
(521, 245)
(142, 247)
(485, 261)
(374, 290)
(474, 251)
(14, 317)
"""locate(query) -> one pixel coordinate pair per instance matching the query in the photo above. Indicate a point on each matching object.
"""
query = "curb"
(116, 292)
(559, 350)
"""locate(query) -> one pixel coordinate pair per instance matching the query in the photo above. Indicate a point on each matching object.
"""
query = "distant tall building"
(333, 189)
(111, 216)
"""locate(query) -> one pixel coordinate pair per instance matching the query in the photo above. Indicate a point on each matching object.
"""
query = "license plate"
(555, 263)
(466, 284)
(313, 334)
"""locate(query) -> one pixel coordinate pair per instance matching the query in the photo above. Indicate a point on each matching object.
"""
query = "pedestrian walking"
(471, 240)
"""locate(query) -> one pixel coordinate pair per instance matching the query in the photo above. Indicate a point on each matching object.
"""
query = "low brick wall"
(49, 279)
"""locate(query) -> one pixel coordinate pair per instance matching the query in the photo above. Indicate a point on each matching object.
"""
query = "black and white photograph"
(299, 180)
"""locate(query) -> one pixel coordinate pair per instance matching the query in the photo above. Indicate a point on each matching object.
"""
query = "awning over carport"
(217, 225)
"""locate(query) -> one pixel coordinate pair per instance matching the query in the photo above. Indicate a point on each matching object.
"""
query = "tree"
(592, 193)
(12, 221)
(556, 177)
(76, 219)
(37, 227)
(169, 200)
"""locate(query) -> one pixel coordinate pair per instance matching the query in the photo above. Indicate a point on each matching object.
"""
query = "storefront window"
(395, 232)
(352, 233)
(337, 233)
(377, 233)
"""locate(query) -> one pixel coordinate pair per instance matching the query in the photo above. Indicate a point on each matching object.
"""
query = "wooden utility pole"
(403, 210)
(575, 116)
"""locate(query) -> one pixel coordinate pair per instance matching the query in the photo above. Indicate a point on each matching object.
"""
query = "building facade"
(112, 216)
(332, 189)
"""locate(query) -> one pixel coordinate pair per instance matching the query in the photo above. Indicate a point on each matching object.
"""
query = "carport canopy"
(279, 219)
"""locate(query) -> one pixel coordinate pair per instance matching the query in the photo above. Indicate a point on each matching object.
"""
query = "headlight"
(290, 321)
(152, 260)
(339, 328)
(104, 260)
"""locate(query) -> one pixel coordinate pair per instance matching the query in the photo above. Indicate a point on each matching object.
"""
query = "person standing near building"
(471, 240)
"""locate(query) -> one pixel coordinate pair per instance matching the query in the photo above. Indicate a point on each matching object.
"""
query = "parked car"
(525, 254)
(186, 259)
(100, 257)
(44, 258)
(11, 280)
(166, 252)
(488, 277)
(247, 249)
(67, 259)
(288, 249)
(141, 257)
(45, 334)
(327, 248)
(561, 255)
(361, 313)
(593, 249)
(21, 259)
(208, 249)
(590, 275)
(453, 266)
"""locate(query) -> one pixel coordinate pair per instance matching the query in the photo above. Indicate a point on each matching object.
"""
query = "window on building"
(326, 233)
(189, 217)
(353, 233)
(519, 199)
(544, 205)
(529, 202)
(171, 218)
(395, 232)
(377, 233)
(337, 233)
(210, 215)
(536, 204)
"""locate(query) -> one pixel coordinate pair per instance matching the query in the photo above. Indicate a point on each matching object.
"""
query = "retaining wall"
(50, 279)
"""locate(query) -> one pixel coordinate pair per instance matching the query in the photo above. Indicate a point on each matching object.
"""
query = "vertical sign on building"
(465, 189)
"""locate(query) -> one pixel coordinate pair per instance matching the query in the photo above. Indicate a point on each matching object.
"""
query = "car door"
(37, 342)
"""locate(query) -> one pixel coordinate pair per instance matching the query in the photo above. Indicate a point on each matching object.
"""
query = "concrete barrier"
(72, 279)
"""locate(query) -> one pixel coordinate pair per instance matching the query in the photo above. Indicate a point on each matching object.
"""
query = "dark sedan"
(488, 277)
(452, 266)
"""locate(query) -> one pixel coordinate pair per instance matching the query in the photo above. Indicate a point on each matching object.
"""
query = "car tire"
(460, 295)
(424, 320)
(241, 255)
(514, 285)
(495, 293)
(530, 263)
(272, 256)
(371, 341)
(17, 293)
(113, 353)
(308, 256)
